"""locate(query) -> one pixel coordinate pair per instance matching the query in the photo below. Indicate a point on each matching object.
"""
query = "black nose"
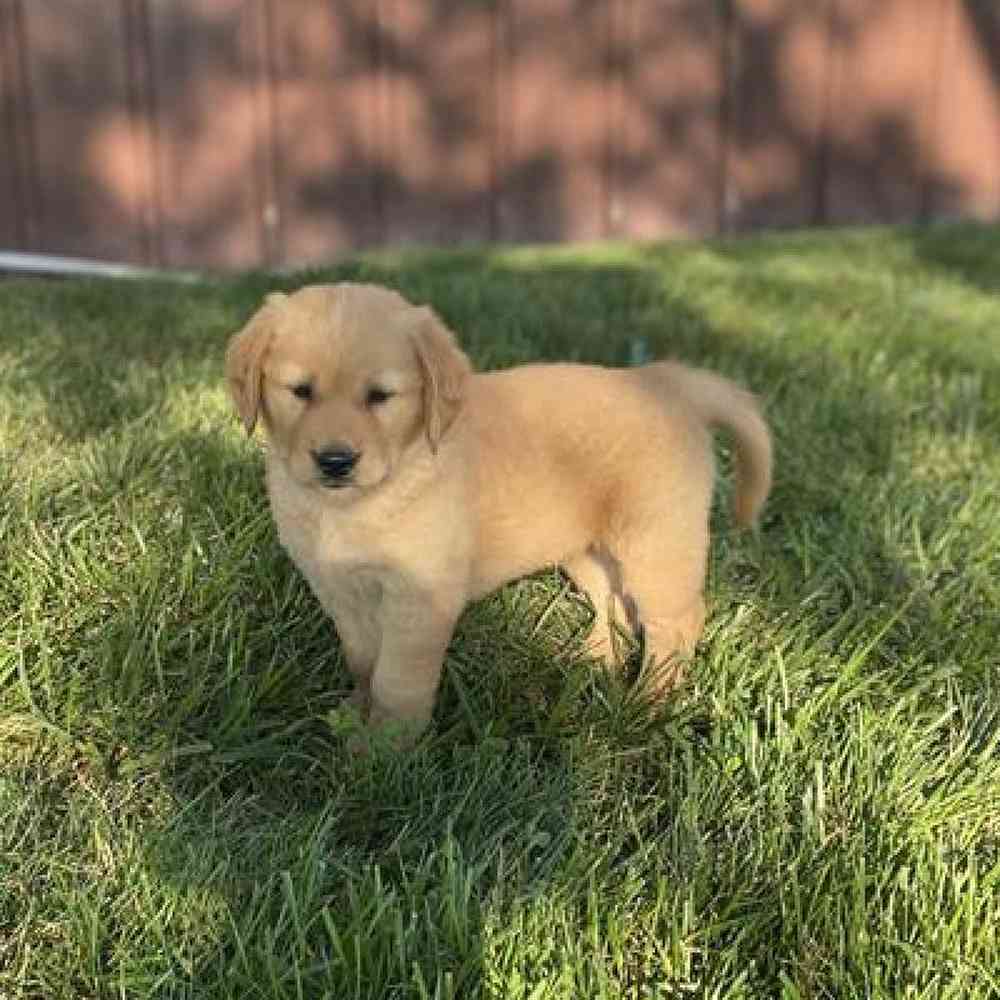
(336, 463)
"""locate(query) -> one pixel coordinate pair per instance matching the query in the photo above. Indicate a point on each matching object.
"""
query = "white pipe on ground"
(47, 265)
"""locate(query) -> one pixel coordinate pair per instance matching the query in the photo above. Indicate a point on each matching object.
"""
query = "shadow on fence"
(238, 135)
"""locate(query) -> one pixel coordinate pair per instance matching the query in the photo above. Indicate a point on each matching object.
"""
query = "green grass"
(815, 814)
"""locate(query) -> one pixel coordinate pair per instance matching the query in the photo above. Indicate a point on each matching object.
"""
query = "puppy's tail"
(722, 403)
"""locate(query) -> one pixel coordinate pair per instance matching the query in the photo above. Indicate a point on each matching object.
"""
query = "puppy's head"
(346, 379)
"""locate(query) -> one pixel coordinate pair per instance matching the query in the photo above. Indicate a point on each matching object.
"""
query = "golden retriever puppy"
(404, 485)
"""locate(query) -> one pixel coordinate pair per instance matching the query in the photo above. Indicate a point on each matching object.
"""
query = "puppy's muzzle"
(336, 464)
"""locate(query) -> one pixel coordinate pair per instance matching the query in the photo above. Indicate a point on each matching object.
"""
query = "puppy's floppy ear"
(244, 357)
(445, 369)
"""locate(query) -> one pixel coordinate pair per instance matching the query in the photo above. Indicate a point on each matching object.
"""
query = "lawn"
(816, 813)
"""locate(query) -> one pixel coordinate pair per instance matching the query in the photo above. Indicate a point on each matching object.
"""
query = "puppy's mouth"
(335, 484)
(347, 483)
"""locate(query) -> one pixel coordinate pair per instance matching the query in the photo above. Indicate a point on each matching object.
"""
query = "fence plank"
(437, 139)
(327, 111)
(555, 120)
(214, 142)
(964, 174)
(668, 181)
(885, 56)
(12, 221)
(86, 158)
(145, 138)
(777, 83)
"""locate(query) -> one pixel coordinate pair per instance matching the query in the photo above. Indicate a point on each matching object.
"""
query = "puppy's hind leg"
(597, 576)
(665, 581)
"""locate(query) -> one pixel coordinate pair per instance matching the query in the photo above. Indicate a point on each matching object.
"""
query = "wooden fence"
(232, 133)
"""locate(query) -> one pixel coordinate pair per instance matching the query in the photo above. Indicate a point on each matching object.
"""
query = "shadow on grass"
(507, 308)
(104, 355)
(968, 251)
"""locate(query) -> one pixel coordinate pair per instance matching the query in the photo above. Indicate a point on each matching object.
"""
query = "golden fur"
(466, 480)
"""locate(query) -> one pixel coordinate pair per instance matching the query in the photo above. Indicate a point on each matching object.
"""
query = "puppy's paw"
(387, 737)
(393, 733)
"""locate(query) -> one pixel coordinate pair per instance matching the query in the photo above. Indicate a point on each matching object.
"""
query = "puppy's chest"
(323, 543)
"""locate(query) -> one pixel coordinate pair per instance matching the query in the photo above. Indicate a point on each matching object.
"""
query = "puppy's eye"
(376, 396)
(303, 390)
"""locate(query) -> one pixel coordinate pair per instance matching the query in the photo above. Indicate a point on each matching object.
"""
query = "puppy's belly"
(507, 552)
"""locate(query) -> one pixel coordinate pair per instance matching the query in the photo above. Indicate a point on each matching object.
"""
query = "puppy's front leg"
(417, 625)
(360, 642)
(353, 603)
